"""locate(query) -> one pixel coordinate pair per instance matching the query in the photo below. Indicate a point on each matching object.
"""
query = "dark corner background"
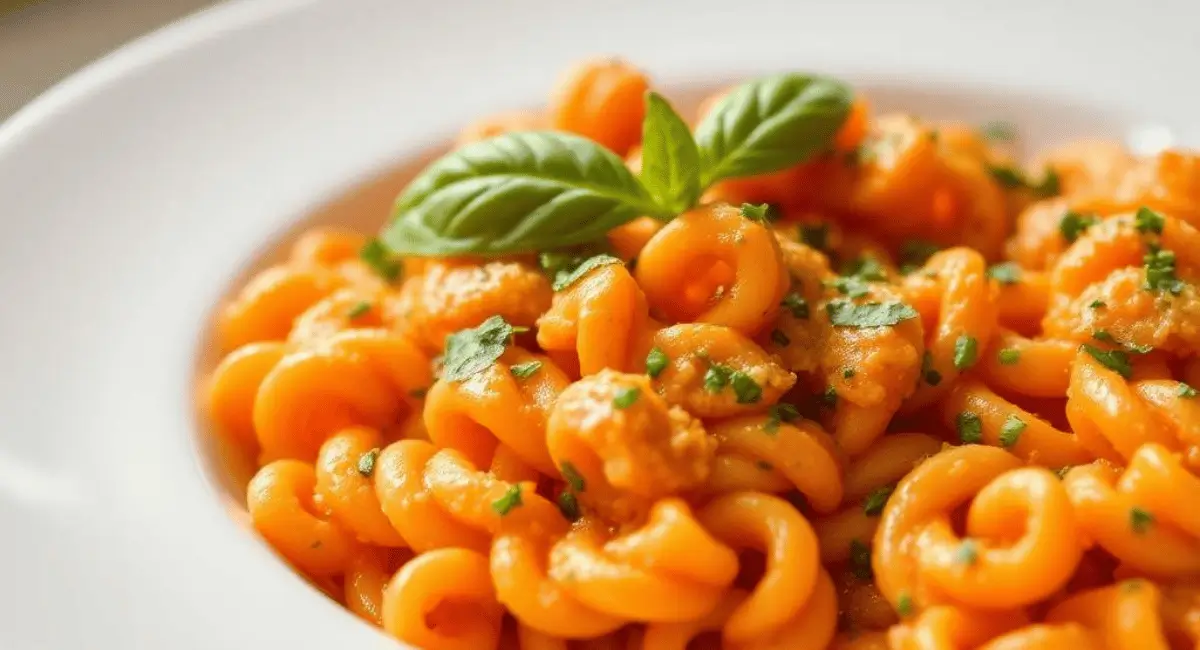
(42, 41)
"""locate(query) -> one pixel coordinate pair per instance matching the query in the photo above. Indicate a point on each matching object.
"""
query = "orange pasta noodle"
(966, 319)
(792, 579)
(1144, 515)
(443, 600)
(1109, 417)
(344, 309)
(344, 469)
(281, 505)
(1021, 542)
(451, 295)
(266, 307)
(367, 575)
(601, 99)
(982, 416)
(714, 371)
(233, 387)
(602, 318)
(869, 480)
(1036, 367)
(623, 447)
(944, 627)
(365, 377)
(494, 406)
(712, 265)
(860, 641)
(1120, 617)
(762, 453)
(644, 574)
(872, 370)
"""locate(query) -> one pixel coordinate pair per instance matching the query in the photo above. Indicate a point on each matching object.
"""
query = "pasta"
(903, 394)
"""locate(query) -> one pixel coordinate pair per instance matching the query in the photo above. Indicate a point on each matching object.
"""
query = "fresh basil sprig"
(524, 192)
(769, 124)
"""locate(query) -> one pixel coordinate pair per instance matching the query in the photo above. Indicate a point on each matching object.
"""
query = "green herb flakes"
(656, 362)
(510, 500)
(366, 462)
(525, 370)
(473, 350)
(966, 352)
(1115, 360)
(970, 427)
(876, 500)
(626, 397)
(843, 313)
(1009, 356)
(1010, 431)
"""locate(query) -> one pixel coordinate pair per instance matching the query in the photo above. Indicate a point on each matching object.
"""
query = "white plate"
(133, 194)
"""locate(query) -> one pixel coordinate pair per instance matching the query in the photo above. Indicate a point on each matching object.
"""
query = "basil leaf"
(670, 160)
(770, 123)
(516, 192)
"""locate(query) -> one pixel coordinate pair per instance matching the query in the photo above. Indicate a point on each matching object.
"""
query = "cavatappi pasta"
(906, 395)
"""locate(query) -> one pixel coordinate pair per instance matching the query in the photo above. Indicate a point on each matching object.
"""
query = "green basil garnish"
(538, 191)
(769, 124)
(670, 160)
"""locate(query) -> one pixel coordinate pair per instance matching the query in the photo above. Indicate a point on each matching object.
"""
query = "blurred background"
(42, 41)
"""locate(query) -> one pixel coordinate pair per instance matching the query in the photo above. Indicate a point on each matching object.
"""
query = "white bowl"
(132, 195)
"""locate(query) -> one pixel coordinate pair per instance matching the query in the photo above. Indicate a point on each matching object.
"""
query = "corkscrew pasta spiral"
(906, 394)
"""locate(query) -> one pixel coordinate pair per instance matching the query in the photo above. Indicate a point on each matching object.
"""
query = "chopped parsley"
(843, 313)
(794, 303)
(359, 308)
(1160, 273)
(829, 398)
(1140, 520)
(1098, 304)
(1115, 360)
(376, 256)
(568, 505)
(745, 388)
(760, 213)
(366, 462)
(525, 370)
(779, 413)
(857, 274)
(1185, 391)
(1009, 356)
(904, 605)
(1148, 221)
(970, 427)
(572, 476)
(876, 500)
(626, 397)
(852, 286)
(473, 350)
(717, 377)
(1010, 431)
(656, 362)
(848, 373)
(966, 352)
(860, 560)
(815, 235)
(1074, 224)
(511, 499)
(564, 278)
(931, 376)
(1005, 273)
(780, 339)
(1103, 335)
(967, 553)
